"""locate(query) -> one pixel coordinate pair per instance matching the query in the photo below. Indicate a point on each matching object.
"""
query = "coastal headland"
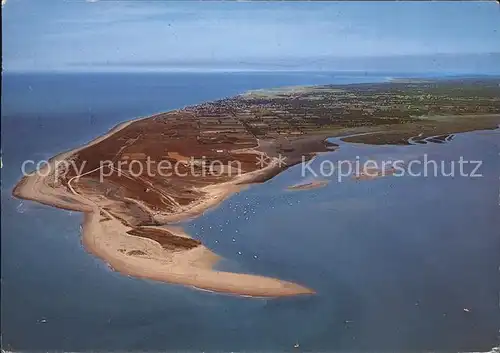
(209, 151)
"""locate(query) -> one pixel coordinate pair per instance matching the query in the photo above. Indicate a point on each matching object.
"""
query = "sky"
(141, 35)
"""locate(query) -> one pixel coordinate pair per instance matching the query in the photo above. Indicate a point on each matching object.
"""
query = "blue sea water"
(394, 261)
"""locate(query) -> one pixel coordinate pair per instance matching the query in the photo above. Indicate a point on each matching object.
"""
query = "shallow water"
(394, 260)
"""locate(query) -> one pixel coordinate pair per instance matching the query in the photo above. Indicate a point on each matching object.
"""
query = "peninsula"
(136, 181)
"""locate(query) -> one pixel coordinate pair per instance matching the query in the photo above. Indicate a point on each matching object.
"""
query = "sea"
(398, 263)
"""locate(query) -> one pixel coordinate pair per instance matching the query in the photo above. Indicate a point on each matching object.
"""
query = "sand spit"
(374, 173)
(308, 185)
(143, 258)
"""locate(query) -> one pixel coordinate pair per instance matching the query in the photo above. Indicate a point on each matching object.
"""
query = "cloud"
(159, 34)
